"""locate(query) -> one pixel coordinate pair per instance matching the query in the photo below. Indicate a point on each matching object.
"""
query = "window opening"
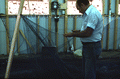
(72, 10)
(30, 7)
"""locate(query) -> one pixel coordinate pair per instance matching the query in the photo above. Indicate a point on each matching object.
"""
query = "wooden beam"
(49, 22)
(18, 41)
(57, 30)
(27, 41)
(7, 27)
(103, 12)
(108, 28)
(75, 25)
(38, 30)
(116, 25)
(65, 28)
(13, 41)
(49, 28)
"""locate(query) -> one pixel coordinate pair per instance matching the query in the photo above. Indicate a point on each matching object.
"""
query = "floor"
(46, 67)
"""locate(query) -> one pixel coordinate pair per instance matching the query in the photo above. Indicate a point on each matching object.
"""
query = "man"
(90, 35)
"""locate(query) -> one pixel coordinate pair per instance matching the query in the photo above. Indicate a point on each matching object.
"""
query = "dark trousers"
(91, 52)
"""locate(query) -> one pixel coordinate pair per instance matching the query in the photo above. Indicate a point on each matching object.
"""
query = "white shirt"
(92, 18)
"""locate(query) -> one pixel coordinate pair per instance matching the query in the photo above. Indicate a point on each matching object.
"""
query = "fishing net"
(45, 60)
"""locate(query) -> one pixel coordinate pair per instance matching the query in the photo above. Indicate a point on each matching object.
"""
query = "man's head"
(82, 5)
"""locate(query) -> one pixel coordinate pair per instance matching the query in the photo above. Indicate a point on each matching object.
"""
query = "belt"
(84, 43)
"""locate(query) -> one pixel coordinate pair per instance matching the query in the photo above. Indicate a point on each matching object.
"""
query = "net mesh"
(44, 36)
(47, 63)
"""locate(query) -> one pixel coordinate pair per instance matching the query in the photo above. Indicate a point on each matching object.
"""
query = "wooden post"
(65, 28)
(116, 25)
(49, 28)
(57, 30)
(18, 41)
(27, 41)
(38, 30)
(108, 28)
(74, 39)
(13, 41)
(103, 2)
(49, 22)
(7, 27)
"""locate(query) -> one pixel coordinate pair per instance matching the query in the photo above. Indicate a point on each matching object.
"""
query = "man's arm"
(86, 33)
(75, 30)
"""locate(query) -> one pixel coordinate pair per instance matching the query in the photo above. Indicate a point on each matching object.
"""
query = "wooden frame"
(65, 28)
(27, 41)
(74, 39)
(13, 41)
(38, 30)
(7, 27)
(116, 25)
(49, 22)
(103, 2)
(57, 30)
(108, 28)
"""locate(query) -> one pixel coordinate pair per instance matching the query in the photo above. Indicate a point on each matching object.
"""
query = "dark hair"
(86, 2)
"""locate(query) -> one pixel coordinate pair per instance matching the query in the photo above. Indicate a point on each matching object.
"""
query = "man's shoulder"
(95, 10)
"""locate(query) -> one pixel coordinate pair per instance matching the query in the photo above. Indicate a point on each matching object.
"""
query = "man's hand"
(68, 35)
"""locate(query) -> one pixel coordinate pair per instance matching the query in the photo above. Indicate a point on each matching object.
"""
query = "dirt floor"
(44, 67)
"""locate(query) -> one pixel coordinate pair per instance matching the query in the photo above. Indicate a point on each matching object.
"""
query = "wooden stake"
(74, 39)
(7, 27)
(38, 30)
(18, 41)
(57, 30)
(49, 28)
(49, 22)
(65, 28)
(108, 28)
(13, 41)
(116, 25)
(103, 2)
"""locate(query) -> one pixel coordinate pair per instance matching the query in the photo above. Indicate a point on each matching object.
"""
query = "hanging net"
(44, 59)
(46, 40)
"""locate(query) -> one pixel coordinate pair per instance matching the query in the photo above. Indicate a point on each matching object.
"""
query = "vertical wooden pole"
(75, 25)
(7, 27)
(103, 2)
(65, 28)
(49, 22)
(116, 25)
(108, 28)
(38, 30)
(57, 29)
(18, 41)
(13, 41)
